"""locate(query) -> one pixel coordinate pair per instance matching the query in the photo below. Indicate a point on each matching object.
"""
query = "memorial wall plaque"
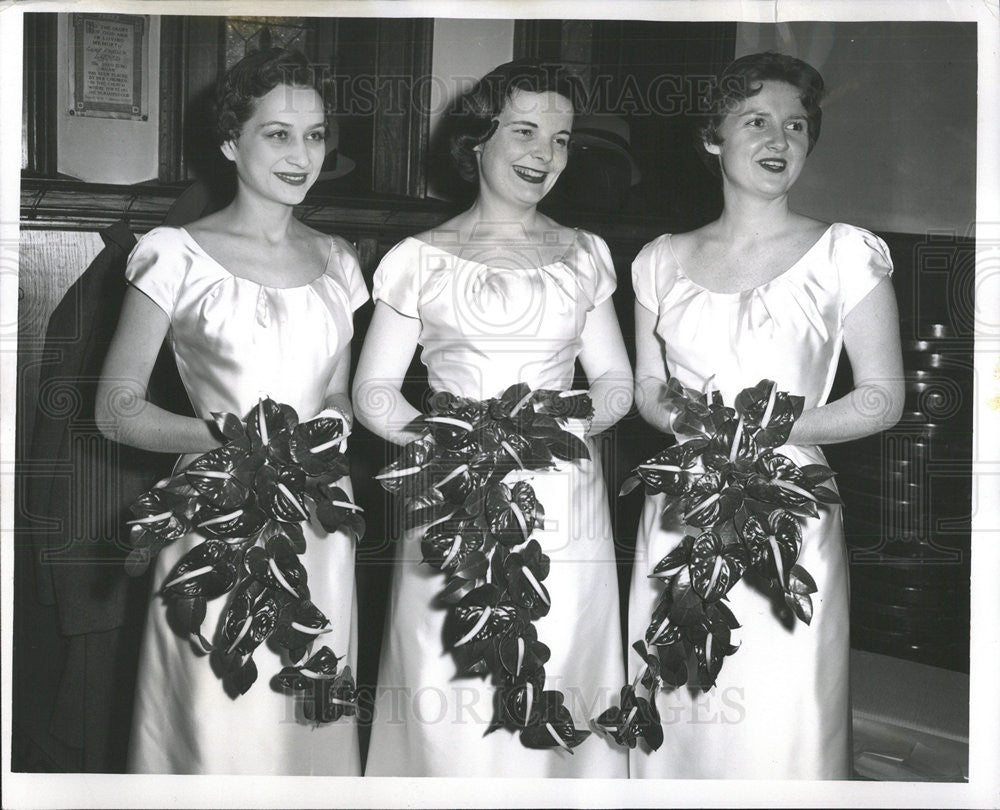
(109, 66)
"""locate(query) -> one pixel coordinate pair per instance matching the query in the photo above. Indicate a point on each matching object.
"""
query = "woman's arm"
(605, 362)
(337, 398)
(122, 411)
(650, 371)
(871, 338)
(385, 357)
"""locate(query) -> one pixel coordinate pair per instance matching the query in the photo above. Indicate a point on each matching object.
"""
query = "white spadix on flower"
(194, 572)
(398, 473)
(262, 421)
(243, 631)
(771, 397)
(284, 490)
(479, 625)
(448, 420)
(535, 584)
(149, 519)
(310, 631)
(273, 565)
(221, 518)
(519, 515)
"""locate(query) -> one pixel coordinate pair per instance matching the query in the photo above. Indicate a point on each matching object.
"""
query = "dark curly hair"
(253, 77)
(743, 79)
(474, 117)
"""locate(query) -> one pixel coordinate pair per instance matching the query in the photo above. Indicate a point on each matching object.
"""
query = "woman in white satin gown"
(499, 295)
(764, 292)
(257, 304)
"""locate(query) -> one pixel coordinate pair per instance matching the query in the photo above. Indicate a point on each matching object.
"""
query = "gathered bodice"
(236, 340)
(789, 329)
(487, 325)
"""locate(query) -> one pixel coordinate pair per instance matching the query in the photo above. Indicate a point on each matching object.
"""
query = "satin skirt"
(428, 722)
(185, 723)
(780, 708)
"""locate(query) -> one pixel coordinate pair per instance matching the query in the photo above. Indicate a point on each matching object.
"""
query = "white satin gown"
(780, 707)
(234, 341)
(484, 327)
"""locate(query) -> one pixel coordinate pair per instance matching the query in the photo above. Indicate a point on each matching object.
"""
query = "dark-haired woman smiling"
(257, 304)
(500, 295)
(765, 292)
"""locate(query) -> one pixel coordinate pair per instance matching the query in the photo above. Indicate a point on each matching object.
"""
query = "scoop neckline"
(680, 269)
(231, 274)
(560, 260)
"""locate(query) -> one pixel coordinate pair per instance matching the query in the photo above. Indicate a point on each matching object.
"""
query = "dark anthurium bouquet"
(476, 530)
(248, 499)
(744, 502)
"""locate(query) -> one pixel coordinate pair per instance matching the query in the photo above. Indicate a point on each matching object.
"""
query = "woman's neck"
(261, 219)
(745, 214)
(490, 217)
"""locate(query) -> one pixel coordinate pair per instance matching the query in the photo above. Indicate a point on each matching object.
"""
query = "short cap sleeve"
(357, 291)
(862, 261)
(644, 268)
(397, 277)
(597, 269)
(157, 266)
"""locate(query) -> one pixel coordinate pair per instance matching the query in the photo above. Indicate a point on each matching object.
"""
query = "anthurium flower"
(341, 698)
(769, 412)
(448, 545)
(715, 567)
(281, 493)
(411, 462)
(327, 695)
(250, 618)
(512, 512)
(797, 595)
(669, 471)
(565, 404)
(242, 522)
(337, 512)
(661, 630)
(267, 419)
(208, 570)
(524, 653)
(212, 475)
(476, 658)
(701, 503)
(520, 698)
(635, 717)
(553, 726)
(524, 572)
(278, 567)
(453, 428)
(321, 666)
(316, 446)
(773, 547)
(649, 676)
(480, 615)
(711, 646)
(454, 479)
(156, 525)
(299, 625)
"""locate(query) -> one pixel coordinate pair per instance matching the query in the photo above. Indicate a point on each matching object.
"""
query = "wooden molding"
(40, 66)
(402, 122)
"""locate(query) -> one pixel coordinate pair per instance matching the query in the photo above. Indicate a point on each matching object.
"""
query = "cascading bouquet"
(746, 501)
(476, 530)
(248, 498)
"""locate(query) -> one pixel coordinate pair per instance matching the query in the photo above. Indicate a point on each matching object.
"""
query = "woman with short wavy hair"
(257, 304)
(501, 295)
(762, 292)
